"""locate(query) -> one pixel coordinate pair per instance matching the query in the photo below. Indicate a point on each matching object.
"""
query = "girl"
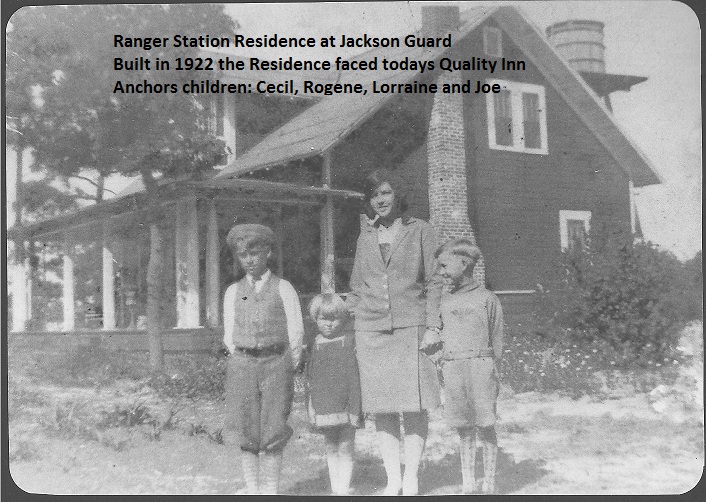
(395, 301)
(333, 401)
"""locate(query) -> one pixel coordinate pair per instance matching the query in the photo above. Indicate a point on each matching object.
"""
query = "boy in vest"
(263, 331)
(472, 337)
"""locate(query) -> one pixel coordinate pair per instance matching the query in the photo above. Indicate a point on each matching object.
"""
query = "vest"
(260, 319)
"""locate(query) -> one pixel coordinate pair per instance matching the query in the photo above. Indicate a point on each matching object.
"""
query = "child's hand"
(430, 339)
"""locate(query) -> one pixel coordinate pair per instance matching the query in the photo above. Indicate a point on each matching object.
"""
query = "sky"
(656, 39)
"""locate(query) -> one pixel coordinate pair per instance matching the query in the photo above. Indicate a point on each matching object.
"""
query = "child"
(263, 330)
(333, 401)
(472, 337)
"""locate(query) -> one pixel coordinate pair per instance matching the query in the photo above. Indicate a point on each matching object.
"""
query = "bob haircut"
(328, 305)
(376, 178)
(460, 247)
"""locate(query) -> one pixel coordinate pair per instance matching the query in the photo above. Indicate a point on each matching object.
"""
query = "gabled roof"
(329, 121)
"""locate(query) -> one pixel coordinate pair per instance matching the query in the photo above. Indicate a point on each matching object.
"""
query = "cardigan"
(401, 291)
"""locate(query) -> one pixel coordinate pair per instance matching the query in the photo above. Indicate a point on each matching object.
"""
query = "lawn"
(128, 435)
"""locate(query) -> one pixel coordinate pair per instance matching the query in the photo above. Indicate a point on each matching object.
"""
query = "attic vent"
(492, 42)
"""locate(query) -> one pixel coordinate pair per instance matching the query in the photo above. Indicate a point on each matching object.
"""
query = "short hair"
(328, 305)
(249, 235)
(460, 247)
(376, 178)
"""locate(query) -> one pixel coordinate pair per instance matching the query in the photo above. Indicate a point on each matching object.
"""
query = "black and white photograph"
(353, 249)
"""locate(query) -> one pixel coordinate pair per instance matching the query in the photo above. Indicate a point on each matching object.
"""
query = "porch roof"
(329, 121)
(134, 199)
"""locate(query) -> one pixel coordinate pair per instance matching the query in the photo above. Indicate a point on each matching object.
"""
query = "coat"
(401, 292)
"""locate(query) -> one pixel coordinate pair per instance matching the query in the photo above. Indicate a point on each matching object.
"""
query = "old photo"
(354, 248)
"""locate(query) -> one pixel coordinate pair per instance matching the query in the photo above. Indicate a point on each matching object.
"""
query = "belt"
(466, 354)
(269, 350)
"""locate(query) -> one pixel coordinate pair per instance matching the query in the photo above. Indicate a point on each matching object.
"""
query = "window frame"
(221, 123)
(517, 90)
(571, 214)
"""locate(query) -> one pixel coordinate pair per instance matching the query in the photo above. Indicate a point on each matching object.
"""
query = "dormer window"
(517, 118)
(492, 42)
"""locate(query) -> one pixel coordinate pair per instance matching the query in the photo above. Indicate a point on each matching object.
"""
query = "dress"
(333, 397)
(394, 299)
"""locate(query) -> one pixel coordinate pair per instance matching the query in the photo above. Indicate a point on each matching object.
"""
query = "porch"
(99, 281)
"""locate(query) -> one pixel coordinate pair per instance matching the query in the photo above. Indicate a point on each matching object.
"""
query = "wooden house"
(524, 171)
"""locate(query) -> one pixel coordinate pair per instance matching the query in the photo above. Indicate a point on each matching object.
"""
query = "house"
(524, 171)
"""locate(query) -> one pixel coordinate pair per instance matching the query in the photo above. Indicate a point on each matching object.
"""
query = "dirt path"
(548, 445)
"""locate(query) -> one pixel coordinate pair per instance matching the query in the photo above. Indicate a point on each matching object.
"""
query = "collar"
(263, 278)
(467, 287)
(373, 224)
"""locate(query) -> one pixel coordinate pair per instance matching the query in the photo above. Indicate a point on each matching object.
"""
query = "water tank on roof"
(580, 42)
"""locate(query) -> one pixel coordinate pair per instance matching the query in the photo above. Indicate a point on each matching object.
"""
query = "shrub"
(628, 294)
(87, 365)
(192, 376)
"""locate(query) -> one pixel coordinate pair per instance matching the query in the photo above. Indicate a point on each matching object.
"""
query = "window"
(573, 228)
(216, 116)
(221, 122)
(492, 42)
(517, 118)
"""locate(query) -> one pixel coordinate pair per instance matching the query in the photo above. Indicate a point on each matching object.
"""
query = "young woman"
(396, 307)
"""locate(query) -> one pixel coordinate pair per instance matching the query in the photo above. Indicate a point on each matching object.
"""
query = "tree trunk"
(100, 187)
(155, 273)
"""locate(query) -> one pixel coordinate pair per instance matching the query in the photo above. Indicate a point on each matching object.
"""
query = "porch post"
(28, 277)
(328, 281)
(108, 281)
(68, 283)
(187, 264)
(213, 267)
(21, 291)
(279, 231)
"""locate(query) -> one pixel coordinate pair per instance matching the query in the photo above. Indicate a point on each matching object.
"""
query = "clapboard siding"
(516, 197)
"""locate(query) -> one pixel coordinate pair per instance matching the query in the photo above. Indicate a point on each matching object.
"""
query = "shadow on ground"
(435, 478)
(444, 476)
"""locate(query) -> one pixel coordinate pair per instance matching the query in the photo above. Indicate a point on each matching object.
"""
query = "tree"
(83, 123)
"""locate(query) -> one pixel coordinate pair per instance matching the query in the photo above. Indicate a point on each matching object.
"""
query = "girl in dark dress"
(333, 400)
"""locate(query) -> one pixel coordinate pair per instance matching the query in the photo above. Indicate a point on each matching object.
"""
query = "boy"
(263, 330)
(472, 337)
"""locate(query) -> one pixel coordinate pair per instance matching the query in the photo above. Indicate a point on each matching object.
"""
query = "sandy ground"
(548, 445)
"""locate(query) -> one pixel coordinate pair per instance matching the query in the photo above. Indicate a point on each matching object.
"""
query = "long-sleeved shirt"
(472, 320)
(400, 291)
(292, 309)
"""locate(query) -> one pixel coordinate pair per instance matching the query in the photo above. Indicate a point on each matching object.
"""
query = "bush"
(627, 294)
(89, 365)
(192, 376)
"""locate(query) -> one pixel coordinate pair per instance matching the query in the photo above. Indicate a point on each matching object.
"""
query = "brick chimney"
(446, 158)
(438, 20)
(446, 152)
